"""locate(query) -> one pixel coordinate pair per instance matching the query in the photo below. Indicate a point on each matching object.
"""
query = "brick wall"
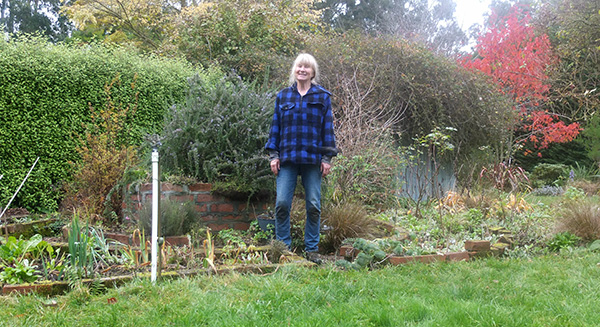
(217, 212)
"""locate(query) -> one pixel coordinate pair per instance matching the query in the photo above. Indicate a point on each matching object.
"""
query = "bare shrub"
(104, 160)
(581, 218)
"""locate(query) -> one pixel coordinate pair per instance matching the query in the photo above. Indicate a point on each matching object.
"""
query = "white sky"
(469, 12)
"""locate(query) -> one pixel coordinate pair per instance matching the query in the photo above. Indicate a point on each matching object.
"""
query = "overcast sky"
(469, 12)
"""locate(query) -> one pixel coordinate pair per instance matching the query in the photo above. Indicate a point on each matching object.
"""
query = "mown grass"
(554, 290)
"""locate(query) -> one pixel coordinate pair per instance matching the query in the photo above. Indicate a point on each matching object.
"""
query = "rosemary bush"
(218, 135)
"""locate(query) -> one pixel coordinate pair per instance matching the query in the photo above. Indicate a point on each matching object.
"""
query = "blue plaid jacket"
(302, 126)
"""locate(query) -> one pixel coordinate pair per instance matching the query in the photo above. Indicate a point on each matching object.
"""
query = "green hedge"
(47, 91)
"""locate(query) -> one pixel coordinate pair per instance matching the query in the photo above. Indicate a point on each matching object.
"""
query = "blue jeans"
(286, 185)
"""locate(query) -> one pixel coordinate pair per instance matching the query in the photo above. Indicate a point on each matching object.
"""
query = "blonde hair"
(305, 59)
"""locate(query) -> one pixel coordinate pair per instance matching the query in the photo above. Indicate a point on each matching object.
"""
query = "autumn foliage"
(518, 60)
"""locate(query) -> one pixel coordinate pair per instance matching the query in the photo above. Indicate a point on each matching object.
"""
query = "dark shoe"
(313, 257)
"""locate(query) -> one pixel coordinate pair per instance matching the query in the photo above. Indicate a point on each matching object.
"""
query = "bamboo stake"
(18, 189)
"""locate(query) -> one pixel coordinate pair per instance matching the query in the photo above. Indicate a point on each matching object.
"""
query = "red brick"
(217, 227)
(201, 207)
(148, 197)
(146, 187)
(242, 206)
(169, 187)
(457, 256)
(232, 217)
(204, 198)
(27, 288)
(477, 245)
(209, 218)
(177, 240)
(396, 260)
(223, 207)
(181, 198)
(200, 187)
(241, 226)
(348, 251)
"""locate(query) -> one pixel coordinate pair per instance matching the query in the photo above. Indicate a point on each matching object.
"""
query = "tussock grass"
(347, 220)
(554, 290)
(581, 218)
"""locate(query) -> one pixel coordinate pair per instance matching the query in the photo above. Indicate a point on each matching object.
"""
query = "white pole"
(18, 189)
(155, 212)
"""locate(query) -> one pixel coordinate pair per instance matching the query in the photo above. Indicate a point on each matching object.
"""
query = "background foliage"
(218, 136)
(47, 92)
(408, 90)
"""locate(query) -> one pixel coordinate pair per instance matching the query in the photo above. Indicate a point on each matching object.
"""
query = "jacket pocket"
(286, 106)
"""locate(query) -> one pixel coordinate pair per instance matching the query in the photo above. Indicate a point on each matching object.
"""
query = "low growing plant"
(370, 256)
(80, 257)
(22, 272)
(563, 240)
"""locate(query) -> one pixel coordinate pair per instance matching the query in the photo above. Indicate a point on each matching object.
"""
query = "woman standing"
(301, 142)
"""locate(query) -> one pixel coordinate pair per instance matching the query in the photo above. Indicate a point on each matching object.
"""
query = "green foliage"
(574, 28)
(574, 194)
(43, 17)
(176, 218)
(23, 272)
(410, 90)
(570, 154)
(594, 246)
(80, 256)
(553, 291)
(549, 174)
(47, 92)
(563, 240)
(370, 256)
(248, 36)
(15, 250)
(218, 137)
(369, 178)
(260, 235)
(591, 135)
(232, 238)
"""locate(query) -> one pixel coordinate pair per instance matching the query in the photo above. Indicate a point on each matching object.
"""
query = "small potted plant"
(266, 222)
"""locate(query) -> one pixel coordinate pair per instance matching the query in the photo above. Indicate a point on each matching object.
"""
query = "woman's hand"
(275, 166)
(325, 169)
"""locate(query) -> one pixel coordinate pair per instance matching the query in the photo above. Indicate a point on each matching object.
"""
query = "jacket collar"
(314, 88)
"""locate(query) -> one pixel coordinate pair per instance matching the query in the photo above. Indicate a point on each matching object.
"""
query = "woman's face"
(304, 73)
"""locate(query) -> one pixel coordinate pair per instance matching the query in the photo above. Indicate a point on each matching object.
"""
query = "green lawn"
(555, 290)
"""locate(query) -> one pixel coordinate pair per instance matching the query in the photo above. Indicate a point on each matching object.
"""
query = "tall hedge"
(46, 93)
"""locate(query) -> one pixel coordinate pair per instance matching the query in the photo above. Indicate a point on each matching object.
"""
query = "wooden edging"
(61, 287)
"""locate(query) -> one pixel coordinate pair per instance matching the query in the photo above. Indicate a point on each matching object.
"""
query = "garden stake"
(18, 189)
(155, 214)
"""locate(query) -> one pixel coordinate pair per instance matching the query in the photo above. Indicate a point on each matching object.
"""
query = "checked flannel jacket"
(302, 127)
